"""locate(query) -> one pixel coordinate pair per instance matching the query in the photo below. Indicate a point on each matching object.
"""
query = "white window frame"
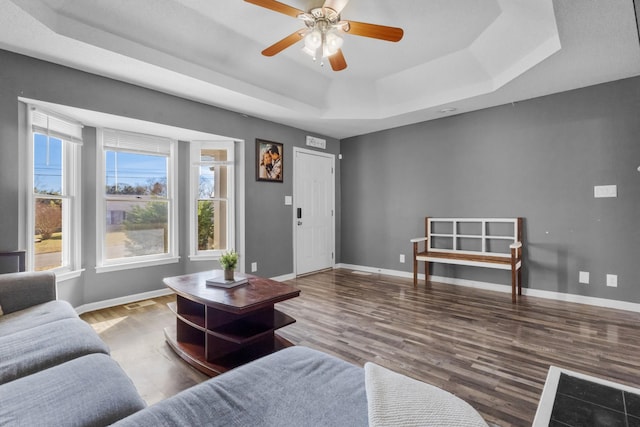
(194, 167)
(139, 144)
(70, 132)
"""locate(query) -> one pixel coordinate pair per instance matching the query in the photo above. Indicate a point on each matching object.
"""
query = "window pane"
(136, 228)
(48, 234)
(139, 174)
(207, 185)
(213, 182)
(47, 164)
(212, 225)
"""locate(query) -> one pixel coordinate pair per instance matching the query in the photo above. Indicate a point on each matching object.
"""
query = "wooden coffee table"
(218, 329)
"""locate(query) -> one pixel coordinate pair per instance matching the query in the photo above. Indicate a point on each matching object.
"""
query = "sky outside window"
(47, 164)
(132, 173)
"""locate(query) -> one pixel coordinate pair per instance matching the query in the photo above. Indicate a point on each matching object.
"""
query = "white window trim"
(71, 256)
(195, 148)
(103, 265)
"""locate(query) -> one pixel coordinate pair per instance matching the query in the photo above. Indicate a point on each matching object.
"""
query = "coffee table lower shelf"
(194, 354)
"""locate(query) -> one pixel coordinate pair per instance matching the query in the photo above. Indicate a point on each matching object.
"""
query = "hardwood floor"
(135, 336)
(473, 343)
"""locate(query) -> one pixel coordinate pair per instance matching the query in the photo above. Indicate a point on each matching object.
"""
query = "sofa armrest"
(22, 290)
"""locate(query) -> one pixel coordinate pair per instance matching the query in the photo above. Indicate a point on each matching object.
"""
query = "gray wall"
(270, 246)
(538, 159)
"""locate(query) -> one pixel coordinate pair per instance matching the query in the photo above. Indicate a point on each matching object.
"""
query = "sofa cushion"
(35, 349)
(36, 315)
(88, 391)
(296, 386)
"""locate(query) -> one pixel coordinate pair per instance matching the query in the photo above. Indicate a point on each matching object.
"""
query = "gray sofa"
(55, 371)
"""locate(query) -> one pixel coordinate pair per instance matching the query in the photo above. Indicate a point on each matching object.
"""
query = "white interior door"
(314, 210)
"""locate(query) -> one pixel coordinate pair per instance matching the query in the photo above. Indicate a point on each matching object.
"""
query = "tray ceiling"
(464, 54)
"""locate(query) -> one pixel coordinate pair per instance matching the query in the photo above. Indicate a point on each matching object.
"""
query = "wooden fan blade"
(392, 34)
(336, 5)
(337, 61)
(277, 7)
(283, 44)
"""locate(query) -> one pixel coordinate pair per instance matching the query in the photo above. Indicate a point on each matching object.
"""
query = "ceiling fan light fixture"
(333, 42)
(313, 39)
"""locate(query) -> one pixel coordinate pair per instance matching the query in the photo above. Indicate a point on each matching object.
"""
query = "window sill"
(68, 275)
(136, 264)
(207, 257)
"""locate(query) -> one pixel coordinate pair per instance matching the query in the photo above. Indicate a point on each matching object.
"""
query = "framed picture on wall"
(269, 161)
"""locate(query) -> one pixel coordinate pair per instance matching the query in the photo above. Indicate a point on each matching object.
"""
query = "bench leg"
(415, 264)
(426, 273)
(520, 281)
(513, 285)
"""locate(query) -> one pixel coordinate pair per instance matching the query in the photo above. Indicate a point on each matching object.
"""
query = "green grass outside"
(54, 244)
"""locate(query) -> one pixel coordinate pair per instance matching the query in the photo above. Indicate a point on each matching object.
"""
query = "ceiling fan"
(323, 32)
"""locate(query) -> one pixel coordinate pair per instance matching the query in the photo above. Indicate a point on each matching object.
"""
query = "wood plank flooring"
(473, 343)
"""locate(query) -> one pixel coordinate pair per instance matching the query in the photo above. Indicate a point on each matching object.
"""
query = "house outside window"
(212, 206)
(136, 200)
(54, 218)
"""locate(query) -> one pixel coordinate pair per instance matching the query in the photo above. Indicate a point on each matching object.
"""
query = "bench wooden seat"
(479, 242)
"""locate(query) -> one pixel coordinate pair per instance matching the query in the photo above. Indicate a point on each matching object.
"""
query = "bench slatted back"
(485, 241)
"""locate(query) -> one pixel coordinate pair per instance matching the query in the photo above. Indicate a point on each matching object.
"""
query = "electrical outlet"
(612, 280)
(583, 277)
(254, 267)
(402, 258)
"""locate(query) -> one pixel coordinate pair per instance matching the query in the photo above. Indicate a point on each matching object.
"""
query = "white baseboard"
(284, 277)
(558, 296)
(539, 293)
(85, 308)
(396, 273)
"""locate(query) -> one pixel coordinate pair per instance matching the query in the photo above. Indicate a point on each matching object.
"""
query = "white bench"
(478, 242)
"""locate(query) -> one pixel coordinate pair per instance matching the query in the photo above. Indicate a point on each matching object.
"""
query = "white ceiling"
(465, 54)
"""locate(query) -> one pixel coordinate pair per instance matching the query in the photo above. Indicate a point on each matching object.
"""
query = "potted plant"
(229, 261)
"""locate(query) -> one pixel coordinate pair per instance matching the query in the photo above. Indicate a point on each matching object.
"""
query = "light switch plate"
(288, 200)
(612, 280)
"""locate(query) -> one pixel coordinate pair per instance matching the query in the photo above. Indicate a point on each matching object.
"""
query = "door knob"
(299, 222)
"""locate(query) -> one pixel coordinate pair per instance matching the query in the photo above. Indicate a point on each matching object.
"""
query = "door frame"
(294, 220)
